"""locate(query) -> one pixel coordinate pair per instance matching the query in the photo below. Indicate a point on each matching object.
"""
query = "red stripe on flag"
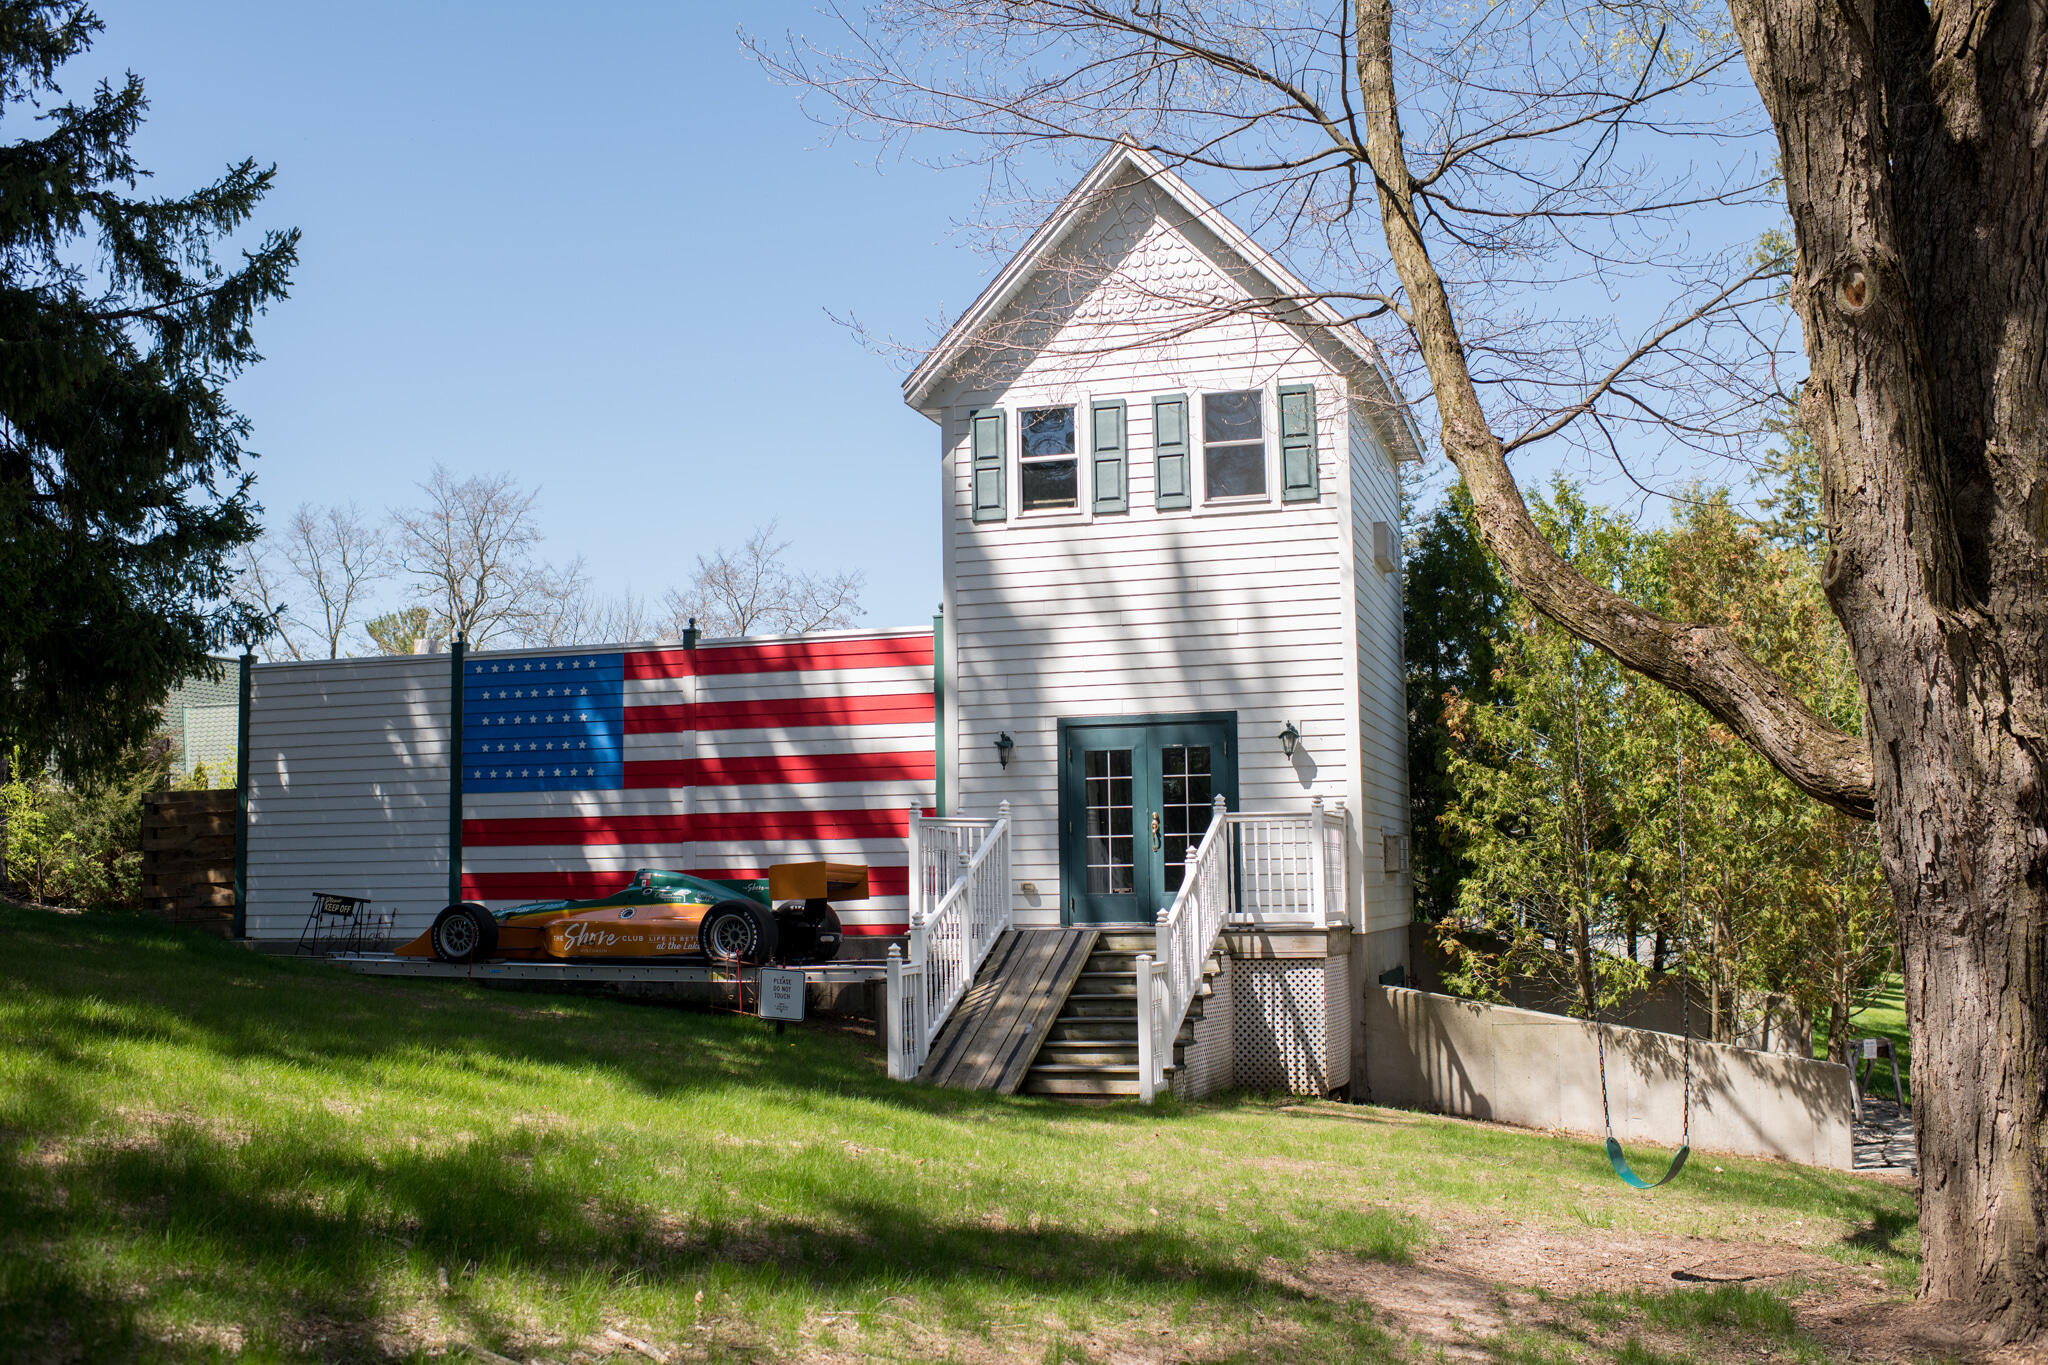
(801, 656)
(578, 886)
(784, 712)
(738, 771)
(729, 826)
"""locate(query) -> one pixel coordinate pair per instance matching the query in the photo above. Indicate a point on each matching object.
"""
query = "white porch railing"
(1171, 973)
(967, 912)
(1249, 870)
(1291, 868)
(1253, 870)
(938, 846)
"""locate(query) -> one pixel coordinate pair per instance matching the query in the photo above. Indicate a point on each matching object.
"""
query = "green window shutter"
(989, 476)
(1107, 425)
(1172, 478)
(1298, 478)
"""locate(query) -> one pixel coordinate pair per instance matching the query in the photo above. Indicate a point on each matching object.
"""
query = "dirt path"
(1473, 1283)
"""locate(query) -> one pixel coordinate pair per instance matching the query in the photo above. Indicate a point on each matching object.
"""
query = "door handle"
(1155, 831)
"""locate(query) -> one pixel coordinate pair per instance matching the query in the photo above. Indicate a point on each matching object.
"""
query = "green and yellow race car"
(662, 916)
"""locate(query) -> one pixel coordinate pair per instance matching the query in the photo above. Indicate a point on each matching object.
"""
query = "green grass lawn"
(205, 1153)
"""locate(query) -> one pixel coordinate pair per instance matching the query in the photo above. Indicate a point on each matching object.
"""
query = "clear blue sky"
(588, 244)
(593, 246)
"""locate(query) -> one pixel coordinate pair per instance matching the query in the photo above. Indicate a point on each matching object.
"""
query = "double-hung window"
(1048, 473)
(1233, 445)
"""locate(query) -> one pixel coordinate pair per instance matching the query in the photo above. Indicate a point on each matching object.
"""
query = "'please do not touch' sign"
(782, 993)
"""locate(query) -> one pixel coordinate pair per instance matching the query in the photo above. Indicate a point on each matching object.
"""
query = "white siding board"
(1383, 734)
(348, 788)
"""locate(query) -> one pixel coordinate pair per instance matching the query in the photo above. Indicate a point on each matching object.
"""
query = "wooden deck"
(997, 1028)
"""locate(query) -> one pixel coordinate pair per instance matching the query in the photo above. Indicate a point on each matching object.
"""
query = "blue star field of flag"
(544, 723)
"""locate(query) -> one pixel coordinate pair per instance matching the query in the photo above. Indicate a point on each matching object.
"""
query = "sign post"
(781, 995)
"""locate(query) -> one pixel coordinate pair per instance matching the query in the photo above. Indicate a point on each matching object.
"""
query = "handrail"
(946, 946)
(1171, 974)
(937, 845)
(1290, 869)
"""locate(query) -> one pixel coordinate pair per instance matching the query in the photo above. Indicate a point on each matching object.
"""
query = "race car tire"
(464, 933)
(825, 932)
(738, 931)
(806, 932)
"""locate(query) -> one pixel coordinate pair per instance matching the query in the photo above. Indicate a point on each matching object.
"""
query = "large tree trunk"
(1916, 162)
(1915, 150)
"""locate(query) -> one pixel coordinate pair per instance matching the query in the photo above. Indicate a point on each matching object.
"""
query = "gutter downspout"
(939, 708)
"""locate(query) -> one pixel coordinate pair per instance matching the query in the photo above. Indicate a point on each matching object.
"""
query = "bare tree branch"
(751, 590)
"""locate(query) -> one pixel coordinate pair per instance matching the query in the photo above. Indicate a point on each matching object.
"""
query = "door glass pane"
(1112, 865)
(1186, 788)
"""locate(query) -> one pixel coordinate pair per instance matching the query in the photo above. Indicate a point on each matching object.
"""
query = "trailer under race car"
(660, 917)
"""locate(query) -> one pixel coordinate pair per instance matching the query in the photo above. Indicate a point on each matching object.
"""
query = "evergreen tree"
(123, 489)
(1455, 607)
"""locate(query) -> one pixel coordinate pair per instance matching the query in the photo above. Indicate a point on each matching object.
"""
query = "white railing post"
(1217, 809)
(1340, 864)
(1162, 933)
(916, 859)
(1318, 898)
(1147, 1086)
(893, 1019)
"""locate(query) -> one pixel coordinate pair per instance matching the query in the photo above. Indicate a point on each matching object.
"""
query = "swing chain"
(1586, 863)
(1684, 916)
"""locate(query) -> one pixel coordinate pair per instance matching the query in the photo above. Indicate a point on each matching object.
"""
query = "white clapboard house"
(1171, 540)
(1136, 810)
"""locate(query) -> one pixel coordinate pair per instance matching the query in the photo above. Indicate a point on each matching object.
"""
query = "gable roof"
(1398, 427)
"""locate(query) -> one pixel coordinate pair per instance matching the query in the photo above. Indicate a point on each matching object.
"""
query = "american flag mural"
(580, 766)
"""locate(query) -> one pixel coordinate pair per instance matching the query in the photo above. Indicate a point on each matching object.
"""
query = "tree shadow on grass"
(102, 978)
(150, 1248)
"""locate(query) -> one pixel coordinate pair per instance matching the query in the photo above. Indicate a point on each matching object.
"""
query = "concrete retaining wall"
(1516, 1066)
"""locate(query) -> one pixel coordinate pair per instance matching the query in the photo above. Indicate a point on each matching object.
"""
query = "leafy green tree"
(1561, 789)
(81, 844)
(123, 492)
(1571, 787)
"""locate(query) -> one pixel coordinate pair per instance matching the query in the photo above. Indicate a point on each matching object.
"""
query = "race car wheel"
(807, 932)
(738, 931)
(464, 933)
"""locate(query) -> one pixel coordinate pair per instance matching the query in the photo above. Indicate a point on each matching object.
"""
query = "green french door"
(1135, 799)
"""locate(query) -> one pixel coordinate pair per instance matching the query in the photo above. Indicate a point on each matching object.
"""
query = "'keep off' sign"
(782, 993)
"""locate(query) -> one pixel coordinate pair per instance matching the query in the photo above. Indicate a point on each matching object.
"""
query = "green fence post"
(939, 709)
(240, 927)
(457, 652)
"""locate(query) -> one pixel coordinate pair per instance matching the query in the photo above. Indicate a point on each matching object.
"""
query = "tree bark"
(1915, 153)
(1915, 148)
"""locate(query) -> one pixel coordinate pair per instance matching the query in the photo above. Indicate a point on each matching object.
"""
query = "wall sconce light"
(1288, 739)
(1004, 744)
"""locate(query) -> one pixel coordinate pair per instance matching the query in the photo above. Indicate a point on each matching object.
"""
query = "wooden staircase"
(1090, 1050)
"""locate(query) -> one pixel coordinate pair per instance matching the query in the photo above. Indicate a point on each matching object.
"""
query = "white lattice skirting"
(1291, 1026)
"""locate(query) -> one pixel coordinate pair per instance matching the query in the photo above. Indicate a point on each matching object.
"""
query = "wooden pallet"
(997, 1027)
